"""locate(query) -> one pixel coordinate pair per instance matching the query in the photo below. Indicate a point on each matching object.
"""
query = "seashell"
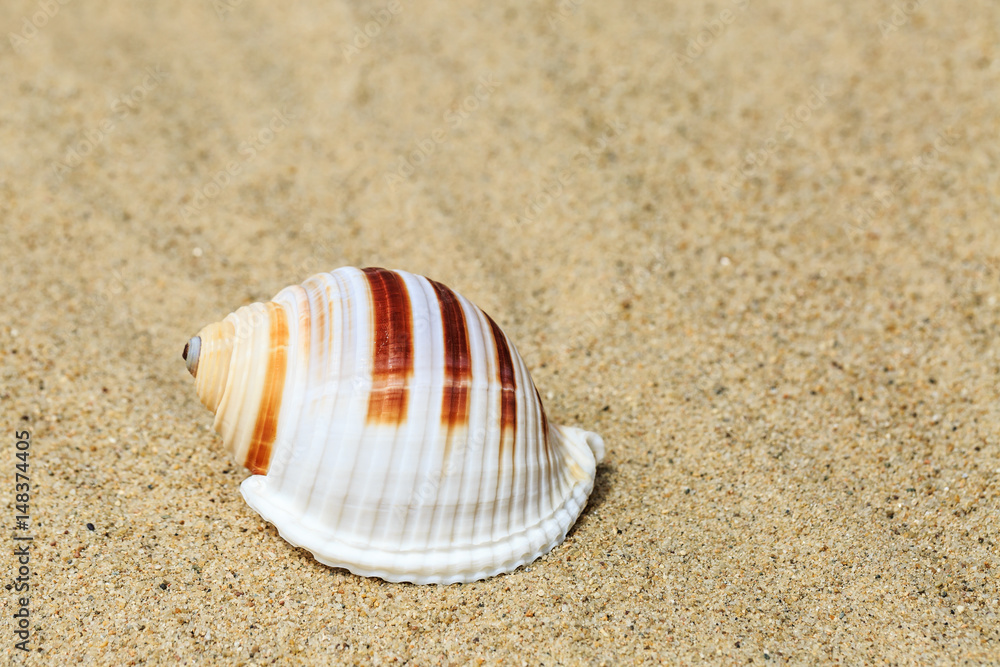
(392, 429)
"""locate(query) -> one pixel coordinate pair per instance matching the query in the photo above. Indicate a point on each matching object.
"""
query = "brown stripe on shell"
(392, 346)
(508, 388)
(545, 420)
(266, 427)
(547, 454)
(457, 363)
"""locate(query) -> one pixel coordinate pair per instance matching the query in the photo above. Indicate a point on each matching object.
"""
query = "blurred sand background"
(754, 244)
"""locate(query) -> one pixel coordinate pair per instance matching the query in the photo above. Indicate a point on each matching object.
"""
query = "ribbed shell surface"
(395, 430)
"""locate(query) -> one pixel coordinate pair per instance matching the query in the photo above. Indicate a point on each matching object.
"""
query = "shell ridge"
(433, 484)
(265, 429)
(494, 426)
(453, 417)
(329, 296)
(419, 426)
(454, 319)
(542, 502)
(476, 438)
(533, 446)
(534, 499)
(281, 474)
(379, 437)
(489, 410)
(389, 394)
(559, 455)
(522, 485)
(507, 377)
(554, 485)
(546, 452)
(357, 304)
(320, 401)
(549, 486)
(418, 389)
(259, 348)
(222, 422)
(233, 412)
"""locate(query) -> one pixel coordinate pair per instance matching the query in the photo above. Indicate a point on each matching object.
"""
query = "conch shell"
(392, 428)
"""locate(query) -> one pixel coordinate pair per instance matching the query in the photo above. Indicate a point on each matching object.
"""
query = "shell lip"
(191, 354)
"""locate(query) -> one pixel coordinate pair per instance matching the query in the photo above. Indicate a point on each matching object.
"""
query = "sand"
(755, 245)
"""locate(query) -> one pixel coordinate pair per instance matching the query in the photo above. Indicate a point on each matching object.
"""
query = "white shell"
(393, 429)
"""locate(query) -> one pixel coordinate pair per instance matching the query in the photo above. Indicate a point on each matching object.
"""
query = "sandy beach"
(754, 245)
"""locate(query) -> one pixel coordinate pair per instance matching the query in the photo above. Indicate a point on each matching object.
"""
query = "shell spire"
(239, 365)
(392, 428)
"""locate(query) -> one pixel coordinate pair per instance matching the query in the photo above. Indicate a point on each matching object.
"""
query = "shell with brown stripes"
(392, 428)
